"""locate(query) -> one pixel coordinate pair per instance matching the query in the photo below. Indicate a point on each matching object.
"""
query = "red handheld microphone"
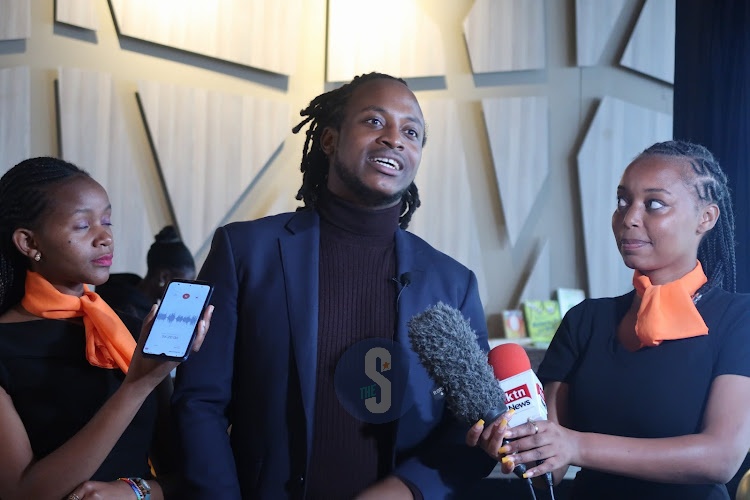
(523, 391)
(508, 359)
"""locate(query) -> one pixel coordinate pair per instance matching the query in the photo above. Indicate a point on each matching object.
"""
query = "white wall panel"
(210, 147)
(15, 19)
(81, 13)
(506, 35)
(650, 49)
(258, 33)
(538, 285)
(594, 22)
(15, 116)
(517, 128)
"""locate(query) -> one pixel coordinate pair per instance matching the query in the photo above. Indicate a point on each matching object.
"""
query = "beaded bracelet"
(138, 494)
(143, 486)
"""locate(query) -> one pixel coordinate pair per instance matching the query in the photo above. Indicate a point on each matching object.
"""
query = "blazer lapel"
(300, 259)
(407, 263)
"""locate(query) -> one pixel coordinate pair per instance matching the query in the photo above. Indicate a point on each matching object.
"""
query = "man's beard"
(364, 194)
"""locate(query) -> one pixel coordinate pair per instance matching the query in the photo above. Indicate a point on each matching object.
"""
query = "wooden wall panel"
(94, 137)
(81, 13)
(594, 22)
(506, 35)
(650, 49)
(445, 218)
(15, 19)
(258, 33)
(388, 36)
(15, 117)
(517, 128)
(619, 131)
(538, 284)
(210, 147)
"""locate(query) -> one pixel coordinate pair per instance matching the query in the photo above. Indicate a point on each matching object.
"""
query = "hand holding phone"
(176, 323)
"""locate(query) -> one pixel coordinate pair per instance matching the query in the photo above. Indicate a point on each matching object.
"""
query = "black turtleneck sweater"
(357, 301)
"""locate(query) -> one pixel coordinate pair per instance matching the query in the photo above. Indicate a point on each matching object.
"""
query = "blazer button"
(295, 483)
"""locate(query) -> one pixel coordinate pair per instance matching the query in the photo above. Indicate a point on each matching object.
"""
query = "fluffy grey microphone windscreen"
(447, 347)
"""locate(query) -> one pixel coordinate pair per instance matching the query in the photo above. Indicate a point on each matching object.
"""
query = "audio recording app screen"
(176, 319)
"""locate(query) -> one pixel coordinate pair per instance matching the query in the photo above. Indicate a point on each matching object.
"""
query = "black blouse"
(56, 392)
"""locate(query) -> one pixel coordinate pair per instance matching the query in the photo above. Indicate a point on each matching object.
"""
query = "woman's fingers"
(474, 433)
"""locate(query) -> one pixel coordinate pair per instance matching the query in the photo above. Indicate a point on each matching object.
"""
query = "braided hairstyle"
(716, 251)
(327, 110)
(24, 198)
(168, 252)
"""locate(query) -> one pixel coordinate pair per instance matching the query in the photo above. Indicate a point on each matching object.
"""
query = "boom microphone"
(447, 347)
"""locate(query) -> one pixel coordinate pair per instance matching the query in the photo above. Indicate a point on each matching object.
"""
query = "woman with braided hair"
(648, 392)
(78, 405)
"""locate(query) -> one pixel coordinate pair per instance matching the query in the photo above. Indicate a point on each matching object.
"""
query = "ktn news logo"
(371, 381)
(520, 397)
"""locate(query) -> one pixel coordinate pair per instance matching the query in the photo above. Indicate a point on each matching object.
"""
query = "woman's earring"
(38, 256)
(161, 284)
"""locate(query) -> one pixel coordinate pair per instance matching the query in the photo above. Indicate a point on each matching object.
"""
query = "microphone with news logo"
(523, 390)
(447, 347)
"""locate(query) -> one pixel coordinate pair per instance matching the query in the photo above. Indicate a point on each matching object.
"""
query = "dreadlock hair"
(327, 110)
(716, 251)
(24, 197)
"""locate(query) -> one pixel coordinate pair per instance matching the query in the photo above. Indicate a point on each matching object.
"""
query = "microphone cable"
(548, 479)
(519, 470)
(550, 484)
(531, 488)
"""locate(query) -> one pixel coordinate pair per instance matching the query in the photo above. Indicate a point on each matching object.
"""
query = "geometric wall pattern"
(95, 137)
(80, 13)
(505, 35)
(408, 38)
(538, 286)
(15, 19)
(517, 129)
(619, 131)
(15, 116)
(445, 218)
(261, 34)
(388, 36)
(210, 146)
(594, 22)
(650, 49)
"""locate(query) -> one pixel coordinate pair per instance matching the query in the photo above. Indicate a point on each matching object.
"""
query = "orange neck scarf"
(109, 343)
(667, 312)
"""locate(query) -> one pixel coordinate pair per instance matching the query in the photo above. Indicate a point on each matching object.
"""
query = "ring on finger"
(536, 429)
(73, 496)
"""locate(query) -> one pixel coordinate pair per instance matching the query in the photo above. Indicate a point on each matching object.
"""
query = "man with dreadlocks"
(295, 291)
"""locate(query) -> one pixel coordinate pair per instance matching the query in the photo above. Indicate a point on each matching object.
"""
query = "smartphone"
(176, 323)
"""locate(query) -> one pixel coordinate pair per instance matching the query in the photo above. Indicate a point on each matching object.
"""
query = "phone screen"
(174, 328)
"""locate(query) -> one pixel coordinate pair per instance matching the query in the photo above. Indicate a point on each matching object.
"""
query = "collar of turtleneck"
(344, 217)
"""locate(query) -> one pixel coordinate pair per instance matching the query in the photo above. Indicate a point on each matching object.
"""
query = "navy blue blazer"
(256, 368)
